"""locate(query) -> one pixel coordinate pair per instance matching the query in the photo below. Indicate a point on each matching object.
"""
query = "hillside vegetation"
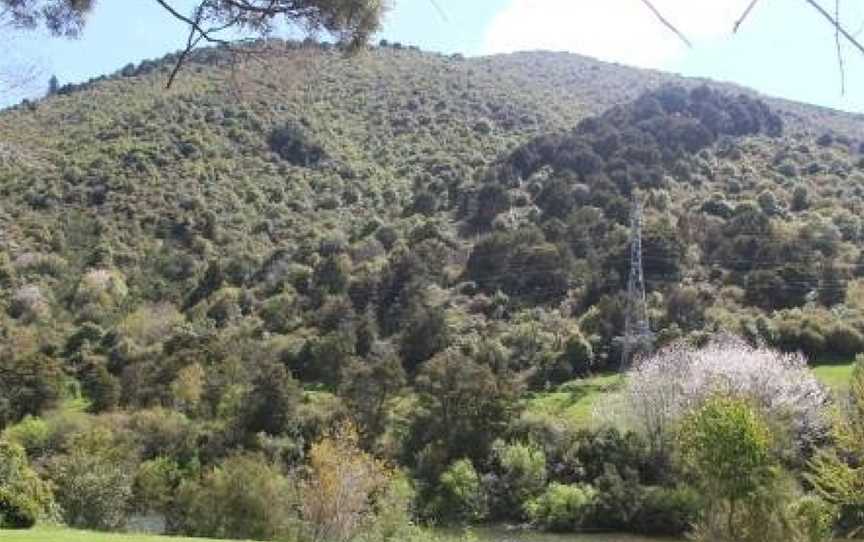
(416, 242)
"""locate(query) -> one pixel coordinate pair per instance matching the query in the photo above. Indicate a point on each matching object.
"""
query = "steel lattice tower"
(637, 331)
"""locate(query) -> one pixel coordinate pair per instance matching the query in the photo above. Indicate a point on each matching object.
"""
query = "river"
(500, 534)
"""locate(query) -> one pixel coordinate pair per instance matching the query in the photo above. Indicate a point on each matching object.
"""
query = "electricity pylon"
(637, 331)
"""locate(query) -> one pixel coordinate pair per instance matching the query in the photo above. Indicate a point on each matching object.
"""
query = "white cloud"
(615, 30)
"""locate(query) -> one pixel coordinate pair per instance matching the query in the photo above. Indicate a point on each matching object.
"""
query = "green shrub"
(293, 143)
(16, 511)
(667, 511)
(562, 507)
(31, 433)
(244, 497)
(462, 498)
(619, 498)
(24, 498)
(579, 355)
(844, 340)
(813, 518)
(94, 481)
(523, 471)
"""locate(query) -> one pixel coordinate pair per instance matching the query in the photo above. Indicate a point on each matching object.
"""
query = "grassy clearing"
(573, 401)
(835, 375)
(56, 534)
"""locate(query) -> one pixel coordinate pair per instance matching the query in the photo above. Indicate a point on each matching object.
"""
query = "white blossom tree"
(663, 388)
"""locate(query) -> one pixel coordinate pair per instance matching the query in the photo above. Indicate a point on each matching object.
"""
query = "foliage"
(667, 511)
(668, 385)
(412, 241)
(24, 498)
(94, 481)
(561, 507)
(244, 497)
(465, 408)
(836, 473)
(519, 478)
(28, 386)
(337, 496)
(462, 496)
(726, 447)
(60, 17)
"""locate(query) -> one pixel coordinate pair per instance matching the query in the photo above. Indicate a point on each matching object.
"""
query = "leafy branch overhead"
(352, 22)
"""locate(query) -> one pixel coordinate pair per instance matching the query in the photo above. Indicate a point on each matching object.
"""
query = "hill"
(404, 238)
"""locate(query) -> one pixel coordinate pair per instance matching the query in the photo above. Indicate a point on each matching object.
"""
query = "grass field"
(46, 534)
(835, 375)
(573, 401)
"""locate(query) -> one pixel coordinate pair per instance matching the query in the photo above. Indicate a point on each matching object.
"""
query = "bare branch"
(666, 23)
(744, 15)
(836, 24)
(440, 10)
(839, 49)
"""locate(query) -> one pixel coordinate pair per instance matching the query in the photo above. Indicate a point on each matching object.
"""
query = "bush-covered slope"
(415, 238)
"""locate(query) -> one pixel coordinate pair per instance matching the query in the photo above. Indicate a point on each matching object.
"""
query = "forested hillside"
(407, 240)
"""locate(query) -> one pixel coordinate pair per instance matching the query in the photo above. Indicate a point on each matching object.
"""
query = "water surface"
(501, 534)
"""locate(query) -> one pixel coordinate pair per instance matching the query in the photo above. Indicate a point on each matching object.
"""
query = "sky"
(783, 49)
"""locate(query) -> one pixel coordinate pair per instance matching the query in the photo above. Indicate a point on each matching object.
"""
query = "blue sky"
(783, 49)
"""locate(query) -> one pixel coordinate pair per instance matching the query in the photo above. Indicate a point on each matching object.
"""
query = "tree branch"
(744, 15)
(836, 23)
(666, 23)
(440, 10)
(839, 49)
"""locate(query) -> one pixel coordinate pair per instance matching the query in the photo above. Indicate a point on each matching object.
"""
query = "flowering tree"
(663, 388)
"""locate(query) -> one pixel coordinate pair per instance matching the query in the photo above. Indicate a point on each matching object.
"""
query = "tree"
(29, 384)
(727, 447)
(837, 473)
(426, 335)
(271, 403)
(338, 495)
(521, 476)
(53, 85)
(665, 387)
(243, 497)
(24, 498)
(465, 407)
(368, 386)
(94, 481)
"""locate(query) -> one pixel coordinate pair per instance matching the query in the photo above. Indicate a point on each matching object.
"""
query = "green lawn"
(835, 375)
(46, 534)
(573, 401)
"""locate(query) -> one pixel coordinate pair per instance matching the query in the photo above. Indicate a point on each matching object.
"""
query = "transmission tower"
(637, 331)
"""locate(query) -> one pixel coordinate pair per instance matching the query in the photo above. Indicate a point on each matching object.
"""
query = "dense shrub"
(244, 497)
(667, 511)
(294, 144)
(29, 384)
(94, 481)
(24, 498)
(462, 497)
(520, 476)
(562, 507)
